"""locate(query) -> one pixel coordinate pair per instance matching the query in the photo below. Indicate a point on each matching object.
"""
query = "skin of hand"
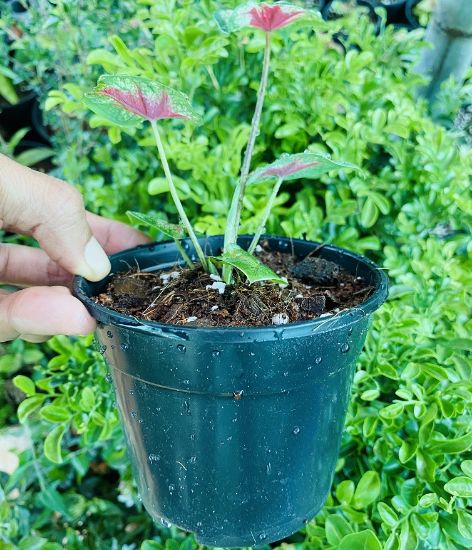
(72, 241)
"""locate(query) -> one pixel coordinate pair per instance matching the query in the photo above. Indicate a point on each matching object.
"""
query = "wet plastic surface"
(233, 433)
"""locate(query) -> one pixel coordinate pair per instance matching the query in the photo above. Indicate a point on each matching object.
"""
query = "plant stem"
(173, 191)
(184, 254)
(234, 216)
(265, 215)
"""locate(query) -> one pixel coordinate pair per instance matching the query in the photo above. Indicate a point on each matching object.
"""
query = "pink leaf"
(124, 99)
(287, 169)
(269, 18)
(299, 165)
(150, 107)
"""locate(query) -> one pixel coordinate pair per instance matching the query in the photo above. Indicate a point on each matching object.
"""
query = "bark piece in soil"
(317, 271)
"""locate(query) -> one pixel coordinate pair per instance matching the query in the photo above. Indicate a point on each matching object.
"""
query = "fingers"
(53, 213)
(115, 236)
(40, 311)
(25, 266)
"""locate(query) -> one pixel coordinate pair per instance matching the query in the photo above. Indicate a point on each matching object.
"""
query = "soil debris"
(182, 296)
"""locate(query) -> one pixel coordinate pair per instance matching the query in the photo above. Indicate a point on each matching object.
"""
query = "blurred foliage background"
(345, 87)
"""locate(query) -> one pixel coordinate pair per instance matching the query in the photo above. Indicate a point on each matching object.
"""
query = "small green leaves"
(29, 406)
(460, 486)
(367, 490)
(451, 446)
(387, 514)
(254, 270)
(54, 413)
(172, 230)
(466, 467)
(336, 529)
(126, 100)
(87, 400)
(52, 444)
(25, 384)
(364, 540)
(345, 491)
(300, 165)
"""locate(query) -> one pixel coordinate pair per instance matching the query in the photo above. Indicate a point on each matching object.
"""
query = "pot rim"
(319, 324)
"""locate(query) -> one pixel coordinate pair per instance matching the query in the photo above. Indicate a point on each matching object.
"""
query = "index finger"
(53, 213)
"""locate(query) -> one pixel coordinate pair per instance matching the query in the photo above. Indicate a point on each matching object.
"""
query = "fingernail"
(98, 264)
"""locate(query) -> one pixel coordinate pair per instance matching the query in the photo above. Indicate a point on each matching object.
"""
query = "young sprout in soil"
(127, 100)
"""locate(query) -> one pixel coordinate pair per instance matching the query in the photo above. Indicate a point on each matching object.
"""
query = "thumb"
(52, 211)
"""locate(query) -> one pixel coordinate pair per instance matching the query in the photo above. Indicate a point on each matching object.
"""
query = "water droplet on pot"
(124, 346)
(140, 420)
(154, 458)
(109, 334)
(102, 349)
(216, 353)
(344, 348)
(134, 414)
(131, 392)
(186, 382)
(262, 536)
(166, 523)
(268, 468)
(286, 373)
(171, 488)
(318, 360)
(108, 378)
(237, 395)
(349, 332)
(296, 430)
(199, 524)
(181, 348)
(193, 459)
(192, 437)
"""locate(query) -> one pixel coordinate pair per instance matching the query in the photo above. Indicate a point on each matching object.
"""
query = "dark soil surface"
(183, 296)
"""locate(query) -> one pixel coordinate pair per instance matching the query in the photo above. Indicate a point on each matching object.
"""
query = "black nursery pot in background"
(233, 433)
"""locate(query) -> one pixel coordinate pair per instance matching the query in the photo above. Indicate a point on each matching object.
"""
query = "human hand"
(71, 240)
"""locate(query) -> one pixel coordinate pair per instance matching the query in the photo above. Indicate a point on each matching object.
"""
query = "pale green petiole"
(265, 215)
(184, 254)
(173, 191)
(231, 233)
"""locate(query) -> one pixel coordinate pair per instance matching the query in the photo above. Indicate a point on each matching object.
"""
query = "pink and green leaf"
(125, 100)
(171, 230)
(301, 165)
(248, 264)
(264, 16)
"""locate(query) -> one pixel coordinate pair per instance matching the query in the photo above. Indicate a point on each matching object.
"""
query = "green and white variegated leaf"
(259, 15)
(170, 229)
(248, 264)
(301, 165)
(125, 100)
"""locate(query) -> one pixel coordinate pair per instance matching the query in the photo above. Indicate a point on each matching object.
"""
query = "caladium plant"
(128, 100)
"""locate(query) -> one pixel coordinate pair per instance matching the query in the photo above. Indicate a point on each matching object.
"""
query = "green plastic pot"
(233, 433)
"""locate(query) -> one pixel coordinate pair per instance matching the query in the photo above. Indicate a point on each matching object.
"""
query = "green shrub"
(404, 477)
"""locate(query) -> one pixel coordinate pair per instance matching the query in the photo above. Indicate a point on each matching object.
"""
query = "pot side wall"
(234, 433)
